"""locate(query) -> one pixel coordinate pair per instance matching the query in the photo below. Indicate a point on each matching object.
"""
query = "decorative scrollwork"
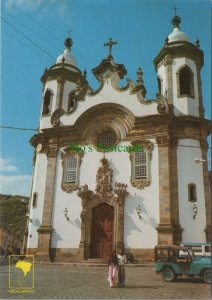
(55, 118)
(140, 183)
(104, 180)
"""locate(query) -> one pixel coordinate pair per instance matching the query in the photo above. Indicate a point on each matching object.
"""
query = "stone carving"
(55, 118)
(162, 140)
(121, 192)
(69, 187)
(104, 180)
(51, 151)
(140, 183)
(161, 108)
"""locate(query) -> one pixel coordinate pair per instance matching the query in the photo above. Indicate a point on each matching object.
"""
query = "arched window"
(34, 200)
(159, 85)
(192, 192)
(71, 102)
(185, 82)
(47, 103)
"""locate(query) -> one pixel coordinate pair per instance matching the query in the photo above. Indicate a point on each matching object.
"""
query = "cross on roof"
(110, 44)
(175, 10)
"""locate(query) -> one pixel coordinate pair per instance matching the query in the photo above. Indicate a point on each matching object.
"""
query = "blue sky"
(138, 26)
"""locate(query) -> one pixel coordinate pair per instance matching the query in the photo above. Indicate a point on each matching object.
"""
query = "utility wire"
(27, 38)
(25, 44)
(17, 128)
(44, 28)
(33, 31)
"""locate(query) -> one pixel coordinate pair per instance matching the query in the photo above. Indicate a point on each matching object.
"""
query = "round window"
(108, 138)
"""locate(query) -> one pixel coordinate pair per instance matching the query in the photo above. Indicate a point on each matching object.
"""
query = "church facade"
(113, 169)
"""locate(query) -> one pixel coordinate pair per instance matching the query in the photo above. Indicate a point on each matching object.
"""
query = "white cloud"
(24, 4)
(44, 6)
(15, 185)
(6, 166)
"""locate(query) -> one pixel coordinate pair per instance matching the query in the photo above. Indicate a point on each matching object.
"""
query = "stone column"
(199, 86)
(174, 197)
(204, 148)
(60, 91)
(165, 228)
(169, 81)
(45, 231)
(121, 192)
(85, 194)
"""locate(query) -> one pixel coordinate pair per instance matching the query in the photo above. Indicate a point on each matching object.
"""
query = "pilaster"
(45, 231)
(169, 81)
(169, 230)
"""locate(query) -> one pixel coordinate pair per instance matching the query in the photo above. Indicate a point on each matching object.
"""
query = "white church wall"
(109, 95)
(138, 233)
(45, 122)
(68, 87)
(162, 75)
(39, 188)
(185, 105)
(66, 234)
(191, 172)
(141, 233)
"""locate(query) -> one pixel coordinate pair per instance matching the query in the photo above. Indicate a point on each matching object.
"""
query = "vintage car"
(199, 249)
(173, 261)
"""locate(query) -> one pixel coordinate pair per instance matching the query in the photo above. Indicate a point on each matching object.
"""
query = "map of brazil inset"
(21, 274)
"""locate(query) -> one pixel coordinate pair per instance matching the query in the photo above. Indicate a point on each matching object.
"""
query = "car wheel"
(168, 274)
(207, 276)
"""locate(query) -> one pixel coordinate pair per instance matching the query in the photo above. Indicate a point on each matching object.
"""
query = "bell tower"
(178, 67)
(61, 85)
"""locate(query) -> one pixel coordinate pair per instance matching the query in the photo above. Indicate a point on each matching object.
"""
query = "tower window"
(159, 85)
(47, 103)
(185, 82)
(71, 102)
(34, 200)
(192, 192)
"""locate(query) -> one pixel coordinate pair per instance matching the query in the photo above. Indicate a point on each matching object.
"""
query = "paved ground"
(90, 282)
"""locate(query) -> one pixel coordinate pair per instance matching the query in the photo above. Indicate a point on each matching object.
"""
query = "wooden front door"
(102, 231)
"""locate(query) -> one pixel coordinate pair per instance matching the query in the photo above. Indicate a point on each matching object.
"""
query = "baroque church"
(92, 194)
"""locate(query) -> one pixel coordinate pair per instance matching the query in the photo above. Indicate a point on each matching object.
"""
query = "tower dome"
(67, 57)
(177, 35)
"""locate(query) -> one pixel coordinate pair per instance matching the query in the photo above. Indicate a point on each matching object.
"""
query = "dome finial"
(68, 43)
(176, 20)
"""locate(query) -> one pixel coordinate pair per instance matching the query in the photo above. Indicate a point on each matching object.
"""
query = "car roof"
(195, 244)
(172, 247)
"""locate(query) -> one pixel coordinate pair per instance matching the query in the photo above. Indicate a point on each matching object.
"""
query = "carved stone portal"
(103, 193)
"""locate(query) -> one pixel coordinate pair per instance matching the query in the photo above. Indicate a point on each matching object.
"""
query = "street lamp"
(138, 210)
(66, 214)
(195, 211)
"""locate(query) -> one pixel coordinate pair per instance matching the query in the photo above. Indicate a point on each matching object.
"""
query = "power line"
(43, 27)
(17, 128)
(25, 44)
(28, 28)
(27, 38)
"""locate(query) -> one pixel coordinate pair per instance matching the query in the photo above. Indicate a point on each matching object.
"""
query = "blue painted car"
(174, 261)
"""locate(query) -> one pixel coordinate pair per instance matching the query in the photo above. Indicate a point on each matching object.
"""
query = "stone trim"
(50, 103)
(191, 94)
(69, 187)
(89, 200)
(141, 183)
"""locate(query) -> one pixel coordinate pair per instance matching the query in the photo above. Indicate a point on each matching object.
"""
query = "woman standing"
(122, 260)
(112, 268)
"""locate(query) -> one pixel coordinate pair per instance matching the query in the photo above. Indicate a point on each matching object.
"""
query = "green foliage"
(13, 214)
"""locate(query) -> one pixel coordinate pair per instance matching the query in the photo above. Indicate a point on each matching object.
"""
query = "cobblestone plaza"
(71, 281)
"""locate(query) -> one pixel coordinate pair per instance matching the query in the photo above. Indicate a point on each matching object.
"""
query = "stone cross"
(110, 44)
